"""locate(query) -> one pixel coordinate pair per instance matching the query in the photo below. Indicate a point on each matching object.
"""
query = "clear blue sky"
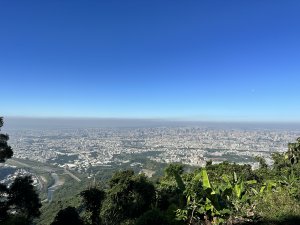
(196, 60)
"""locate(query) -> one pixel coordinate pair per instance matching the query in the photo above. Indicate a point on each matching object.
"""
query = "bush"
(152, 217)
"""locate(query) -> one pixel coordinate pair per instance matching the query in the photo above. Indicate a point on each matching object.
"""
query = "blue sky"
(194, 60)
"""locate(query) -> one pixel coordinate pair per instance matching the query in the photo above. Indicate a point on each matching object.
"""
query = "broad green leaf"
(251, 182)
(188, 200)
(225, 178)
(270, 185)
(205, 179)
(262, 189)
(197, 178)
(235, 177)
(237, 190)
(254, 191)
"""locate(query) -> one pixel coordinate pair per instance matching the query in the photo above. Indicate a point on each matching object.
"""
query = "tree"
(128, 197)
(92, 200)
(176, 170)
(171, 187)
(5, 150)
(23, 198)
(262, 162)
(68, 215)
(19, 202)
(152, 217)
(215, 171)
(293, 153)
(3, 202)
(5, 153)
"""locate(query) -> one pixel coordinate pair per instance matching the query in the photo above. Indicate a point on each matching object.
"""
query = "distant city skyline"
(176, 60)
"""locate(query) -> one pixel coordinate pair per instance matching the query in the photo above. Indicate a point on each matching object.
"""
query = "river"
(57, 183)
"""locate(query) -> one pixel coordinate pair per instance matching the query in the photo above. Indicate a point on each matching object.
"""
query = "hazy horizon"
(39, 122)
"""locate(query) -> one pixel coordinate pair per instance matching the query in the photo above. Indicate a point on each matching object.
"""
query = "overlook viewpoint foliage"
(19, 203)
(225, 193)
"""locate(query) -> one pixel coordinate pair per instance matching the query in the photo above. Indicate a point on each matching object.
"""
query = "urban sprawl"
(80, 149)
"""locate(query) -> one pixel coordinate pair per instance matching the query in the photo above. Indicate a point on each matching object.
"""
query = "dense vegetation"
(226, 193)
(19, 203)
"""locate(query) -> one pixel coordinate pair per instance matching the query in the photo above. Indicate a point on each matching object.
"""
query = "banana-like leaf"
(237, 190)
(254, 191)
(271, 184)
(251, 182)
(188, 200)
(197, 178)
(286, 156)
(226, 179)
(241, 189)
(262, 189)
(205, 179)
(235, 177)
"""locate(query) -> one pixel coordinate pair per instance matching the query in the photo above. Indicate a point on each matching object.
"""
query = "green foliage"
(92, 200)
(207, 204)
(23, 198)
(20, 201)
(176, 170)
(6, 151)
(268, 186)
(167, 194)
(152, 217)
(66, 195)
(3, 202)
(262, 162)
(16, 220)
(128, 197)
(241, 195)
(216, 171)
(276, 206)
(170, 188)
(68, 215)
(293, 153)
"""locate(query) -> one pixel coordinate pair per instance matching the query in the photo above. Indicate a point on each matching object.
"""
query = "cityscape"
(81, 149)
